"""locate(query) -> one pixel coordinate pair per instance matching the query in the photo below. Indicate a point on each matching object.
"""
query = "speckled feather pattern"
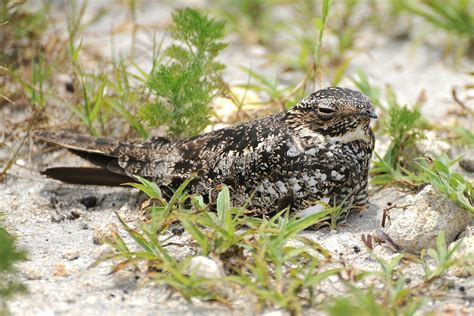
(318, 150)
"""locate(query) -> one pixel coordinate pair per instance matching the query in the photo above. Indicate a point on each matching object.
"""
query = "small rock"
(60, 270)
(104, 233)
(71, 254)
(465, 252)
(275, 312)
(205, 267)
(75, 214)
(467, 164)
(58, 218)
(84, 225)
(32, 273)
(418, 226)
(21, 162)
(88, 201)
(101, 251)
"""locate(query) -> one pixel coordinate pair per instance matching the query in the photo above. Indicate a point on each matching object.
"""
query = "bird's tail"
(102, 152)
(86, 176)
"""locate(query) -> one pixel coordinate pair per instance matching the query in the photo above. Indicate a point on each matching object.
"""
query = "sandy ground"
(57, 229)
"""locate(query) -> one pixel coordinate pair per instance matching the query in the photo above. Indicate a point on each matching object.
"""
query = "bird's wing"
(232, 155)
(104, 153)
(240, 155)
(202, 155)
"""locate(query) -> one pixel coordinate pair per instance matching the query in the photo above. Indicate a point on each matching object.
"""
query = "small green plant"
(456, 16)
(22, 61)
(443, 257)
(438, 173)
(464, 135)
(389, 291)
(404, 126)
(392, 296)
(308, 38)
(280, 274)
(363, 83)
(20, 32)
(151, 246)
(358, 303)
(279, 96)
(186, 85)
(308, 59)
(9, 256)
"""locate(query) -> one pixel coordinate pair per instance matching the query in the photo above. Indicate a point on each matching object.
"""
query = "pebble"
(467, 164)
(428, 214)
(84, 225)
(205, 267)
(75, 214)
(32, 273)
(58, 218)
(71, 254)
(465, 253)
(101, 251)
(276, 312)
(104, 233)
(60, 270)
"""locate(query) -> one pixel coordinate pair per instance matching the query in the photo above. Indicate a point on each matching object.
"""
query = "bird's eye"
(326, 111)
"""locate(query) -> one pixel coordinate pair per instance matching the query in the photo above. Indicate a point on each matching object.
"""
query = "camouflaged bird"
(319, 150)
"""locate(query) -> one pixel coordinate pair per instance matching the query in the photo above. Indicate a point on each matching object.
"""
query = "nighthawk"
(319, 150)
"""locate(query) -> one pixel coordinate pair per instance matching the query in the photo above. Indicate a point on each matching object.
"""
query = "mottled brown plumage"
(318, 150)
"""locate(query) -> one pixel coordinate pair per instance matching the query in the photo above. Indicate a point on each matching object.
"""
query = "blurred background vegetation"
(176, 78)
(311, 42)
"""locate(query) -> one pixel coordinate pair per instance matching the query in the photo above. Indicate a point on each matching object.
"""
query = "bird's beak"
(369, 113)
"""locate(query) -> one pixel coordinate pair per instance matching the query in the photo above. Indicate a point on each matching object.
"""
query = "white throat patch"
(358, 134)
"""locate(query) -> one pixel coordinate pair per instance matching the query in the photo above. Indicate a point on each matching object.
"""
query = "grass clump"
(9, 256)
(464, 135)
(19, 28)
(438, 173)
(183, 80)
(388, 291)
(189, 81)
(443, 257)
(455, 16)
(391, 296)
(22, 70)
(257, 258)
(308, 59)
(97, 96)
(404, 126)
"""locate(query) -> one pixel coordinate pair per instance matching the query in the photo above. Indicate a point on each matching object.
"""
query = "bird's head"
(338, 114)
